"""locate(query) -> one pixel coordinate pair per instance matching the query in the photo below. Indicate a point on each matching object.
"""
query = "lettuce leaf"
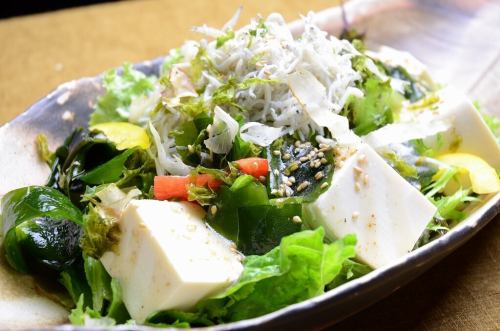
(377, 107)
(114, 105)
(298, 269)
(105, 307)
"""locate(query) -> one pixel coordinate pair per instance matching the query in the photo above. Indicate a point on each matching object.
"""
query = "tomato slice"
(254, 166)
(176, 187)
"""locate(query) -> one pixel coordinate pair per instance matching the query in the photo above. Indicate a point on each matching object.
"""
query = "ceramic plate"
(456, 39)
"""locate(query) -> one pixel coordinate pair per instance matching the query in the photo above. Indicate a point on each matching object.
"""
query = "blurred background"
(44, 45)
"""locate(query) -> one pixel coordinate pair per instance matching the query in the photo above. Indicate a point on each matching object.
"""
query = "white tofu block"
(168, 258)
(371, 200)
(468, 133)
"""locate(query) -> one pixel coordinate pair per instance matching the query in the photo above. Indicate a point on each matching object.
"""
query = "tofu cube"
(168, 258)
(371, 200)
(468, 133)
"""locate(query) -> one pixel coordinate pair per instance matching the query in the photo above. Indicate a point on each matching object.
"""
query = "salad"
(257, 171)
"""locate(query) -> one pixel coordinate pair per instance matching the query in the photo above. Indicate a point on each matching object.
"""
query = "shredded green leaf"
(101, 233)
(43, 149)
(222, 39)
(404, 168)
(378, 106)
(121, 89)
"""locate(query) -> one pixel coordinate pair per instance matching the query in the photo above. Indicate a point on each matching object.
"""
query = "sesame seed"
(288, 193)
(190, 148)
(357, 170)
(365, 179)
(311, 164)
(276, 172)
(324, 185)
(304, 158)
(297, 143)
(323, 146)
(321, 154)
(274, 192)
(296, 220)
(355, 215)
(294, 166)
(302, 186)
(315, 150)
(312, 153)
(287, 156)
(291, 179)
(318, 175)
(317, 164)
(323, 161)
(281, 192)
(213, 209)
(289, 183)
(277, 152)
(357, 187)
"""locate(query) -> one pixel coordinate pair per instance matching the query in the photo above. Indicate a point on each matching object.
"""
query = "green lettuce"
(100, 232)
(377, 107)
(102, 305)
(121, 89)
(298, 269)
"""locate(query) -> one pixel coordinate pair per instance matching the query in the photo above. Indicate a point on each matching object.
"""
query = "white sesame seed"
(190, 148)
(324, 185)
(323, 161)
(276, 172)
(302, 186)
(287, 156)
(213, 209)
(276, 152)
(317, 164)
(315, 150)
(318, 175)
(292, 179)
(297, 143)
(357, 187)
(357, 170)
(304, 158)
(274, 191)
(323, 146)
(365, 179)
(296, 219)
(289, 183)
(355, 215)
(294, 167)
(321, 154)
